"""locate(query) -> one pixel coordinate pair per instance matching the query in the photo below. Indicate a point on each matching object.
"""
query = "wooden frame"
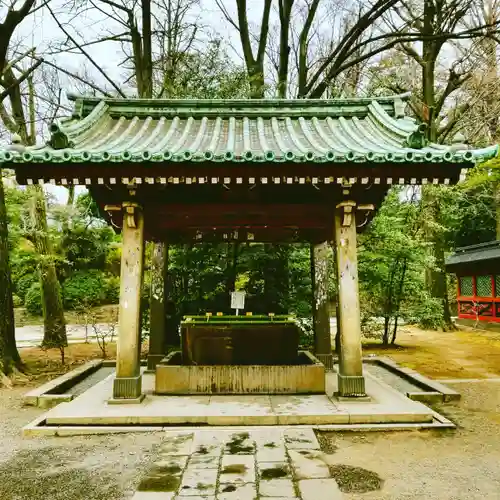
(492, 303)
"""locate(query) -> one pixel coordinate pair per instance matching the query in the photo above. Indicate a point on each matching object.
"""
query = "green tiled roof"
(144, 130)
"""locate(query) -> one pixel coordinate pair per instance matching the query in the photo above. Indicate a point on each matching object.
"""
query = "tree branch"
(303, 68)
(342, 61)
(77, 77)
(86, 54)
(19, 80)
(12, 20)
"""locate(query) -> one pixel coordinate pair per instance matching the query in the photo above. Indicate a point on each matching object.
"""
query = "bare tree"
(9, 85)
(366, 34)
(19, 118)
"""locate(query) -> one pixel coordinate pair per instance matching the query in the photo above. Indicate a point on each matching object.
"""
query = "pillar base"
(351, 386)
(127, 389)
(327, 360)
(153, 360)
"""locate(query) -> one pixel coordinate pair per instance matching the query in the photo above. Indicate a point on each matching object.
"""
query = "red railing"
(477, 307)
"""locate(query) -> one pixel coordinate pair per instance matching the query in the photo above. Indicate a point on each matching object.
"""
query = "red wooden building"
(478, 281)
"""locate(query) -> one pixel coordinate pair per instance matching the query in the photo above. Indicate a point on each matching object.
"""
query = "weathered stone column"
(320, 255)
(127, 387)
(350, 377)
(157, 312)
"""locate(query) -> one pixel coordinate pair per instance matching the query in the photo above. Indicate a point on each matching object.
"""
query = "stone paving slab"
(153, 495)
(198, 482)
(308, 464)
(224, 465)
(271, 454)
(277, 488)
(237, 469)
(244, 492)
(92, 409)
(315, 489)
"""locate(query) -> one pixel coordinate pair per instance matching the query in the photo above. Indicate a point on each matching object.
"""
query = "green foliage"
(15, 200)
(17, 301)
(89, 288)
(211, 75)
(33, 300)
(111, 289)
(24, 283)
(392, 261)
(429, 314)
(475, 213)
(86, 247)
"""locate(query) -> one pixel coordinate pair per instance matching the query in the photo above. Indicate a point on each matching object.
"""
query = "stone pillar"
(320, 255)
(157, 312)
(127, 387)
(350, 377)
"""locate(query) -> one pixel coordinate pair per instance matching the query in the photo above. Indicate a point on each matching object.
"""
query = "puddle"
(274, 473)
(237, 445)
(168, 469)
(164, 482)
(270, 445)
(234, 469)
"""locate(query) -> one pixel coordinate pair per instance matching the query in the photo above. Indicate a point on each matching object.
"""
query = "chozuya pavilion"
(245, 170)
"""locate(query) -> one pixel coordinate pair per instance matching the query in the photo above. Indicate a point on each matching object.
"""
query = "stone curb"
(38, 428)
(54, 391)
(434, 391)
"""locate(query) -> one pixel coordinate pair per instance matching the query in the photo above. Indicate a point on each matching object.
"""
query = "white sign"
(237, 300)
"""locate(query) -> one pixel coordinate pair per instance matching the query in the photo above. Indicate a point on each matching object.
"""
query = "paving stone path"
(279, 464)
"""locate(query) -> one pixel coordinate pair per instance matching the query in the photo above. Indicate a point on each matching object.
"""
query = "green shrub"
(24, 284)
(429, 314)
(112, 290)
(84, 289)
(33, 300)
(17, 301)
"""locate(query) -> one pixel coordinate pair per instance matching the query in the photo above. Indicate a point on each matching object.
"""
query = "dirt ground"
(72, 468)
(463, 464)
(463, 354)
(42, 365)
(452, 465)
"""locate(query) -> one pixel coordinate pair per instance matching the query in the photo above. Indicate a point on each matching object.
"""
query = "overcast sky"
(41, 31)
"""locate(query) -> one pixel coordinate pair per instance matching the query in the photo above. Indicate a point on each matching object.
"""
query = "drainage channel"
(400, 384)
(91, 380)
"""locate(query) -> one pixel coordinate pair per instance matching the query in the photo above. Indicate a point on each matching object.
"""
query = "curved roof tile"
(118, 130)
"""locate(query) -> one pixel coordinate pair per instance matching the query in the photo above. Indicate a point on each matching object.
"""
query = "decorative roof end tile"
(418, 138)
(58, 139)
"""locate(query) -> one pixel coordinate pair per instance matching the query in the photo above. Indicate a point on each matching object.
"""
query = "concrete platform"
(92, 408)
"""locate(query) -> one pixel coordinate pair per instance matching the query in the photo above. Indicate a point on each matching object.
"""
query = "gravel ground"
(71, 468)
(444, 465)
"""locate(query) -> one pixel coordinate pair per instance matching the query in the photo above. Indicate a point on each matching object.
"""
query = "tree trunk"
(436, 279)
(9, 355)
(53, 313)
(394, 330)
(256, 81)
(398, 300)
(497, 208)
(285, 11)
(428, 63)
(231, 266)
(385, 337)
